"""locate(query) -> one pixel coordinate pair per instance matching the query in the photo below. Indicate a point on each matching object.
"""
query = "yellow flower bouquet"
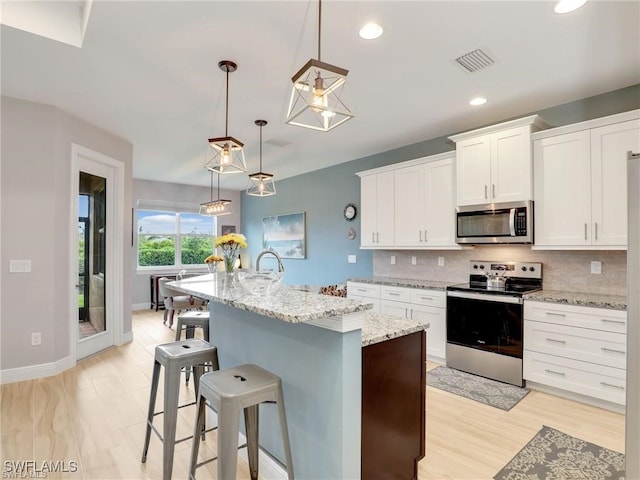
(230, 244)
(212, 262)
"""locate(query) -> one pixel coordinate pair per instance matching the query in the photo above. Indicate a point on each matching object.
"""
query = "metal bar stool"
(229, 391)
(189, 321)
(192, 353)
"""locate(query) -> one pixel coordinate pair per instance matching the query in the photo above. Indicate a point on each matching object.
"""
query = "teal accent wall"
(323, 194)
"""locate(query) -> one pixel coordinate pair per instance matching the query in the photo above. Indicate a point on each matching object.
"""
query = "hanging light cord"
(261, 148)
(226, 107)
(319, 26)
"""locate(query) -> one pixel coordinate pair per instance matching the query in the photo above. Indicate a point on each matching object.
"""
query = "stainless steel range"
(485, 319)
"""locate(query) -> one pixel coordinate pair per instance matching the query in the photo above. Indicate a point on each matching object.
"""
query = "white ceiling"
(148, 72)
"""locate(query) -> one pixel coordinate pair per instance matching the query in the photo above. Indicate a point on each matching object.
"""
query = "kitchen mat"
(484, 390)
(551, 454)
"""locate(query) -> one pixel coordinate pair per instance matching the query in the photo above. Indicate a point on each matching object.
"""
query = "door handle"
(585, 230)
(486, 188)
(493, 190)
(596, 230)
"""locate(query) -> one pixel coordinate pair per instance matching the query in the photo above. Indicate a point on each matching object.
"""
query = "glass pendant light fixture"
(319, 98)
(261, 184)
(218, 207)
(228, 153)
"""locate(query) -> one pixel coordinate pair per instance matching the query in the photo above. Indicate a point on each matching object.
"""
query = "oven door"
(492, 323)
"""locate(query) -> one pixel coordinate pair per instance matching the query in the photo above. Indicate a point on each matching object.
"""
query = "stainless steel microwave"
(495, 223)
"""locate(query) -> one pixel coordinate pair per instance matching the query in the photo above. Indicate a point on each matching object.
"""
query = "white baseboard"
(127, 337)
(140, 306)
(32, 372)
(594, 402)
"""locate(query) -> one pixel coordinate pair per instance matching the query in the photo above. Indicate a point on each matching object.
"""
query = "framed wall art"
(285, 235)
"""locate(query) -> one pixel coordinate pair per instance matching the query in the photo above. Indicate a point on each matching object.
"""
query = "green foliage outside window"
(154, 250)
(195, 249)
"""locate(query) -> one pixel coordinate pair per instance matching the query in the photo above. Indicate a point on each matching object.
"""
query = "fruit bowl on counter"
(260, 283)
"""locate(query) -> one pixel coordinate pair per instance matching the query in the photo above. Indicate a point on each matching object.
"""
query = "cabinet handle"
(554, 314)
(612, 350)
(377, 237)
(373, 237)
(585, 231)
(493, 190)
(556, 341)
(605, 384)
(607, 320)
(363, 290)
(420, 235)
(425, 235)
(426, 298)
(596, 230)
(411, 314)
(394, 294)
(406, 313)
(562, 374)
(486, 188)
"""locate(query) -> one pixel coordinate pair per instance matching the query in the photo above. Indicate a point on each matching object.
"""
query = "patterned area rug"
(497, 394)
(552, 455)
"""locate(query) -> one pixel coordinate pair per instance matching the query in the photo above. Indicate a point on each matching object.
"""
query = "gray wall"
(35, 175)
(323, 194)
(174, 192)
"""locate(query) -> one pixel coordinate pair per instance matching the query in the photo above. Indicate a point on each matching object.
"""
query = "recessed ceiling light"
(477, 101)
(566, 6)
(370, 31)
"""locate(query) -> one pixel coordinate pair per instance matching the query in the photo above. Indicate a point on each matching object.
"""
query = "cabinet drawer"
(397, 294)
(596, 381)
(575, 316)
(433, 298)
(602, 348)
(363, 290)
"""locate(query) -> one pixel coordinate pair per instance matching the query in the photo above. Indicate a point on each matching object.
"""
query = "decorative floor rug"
(497, 394)
(553, 455)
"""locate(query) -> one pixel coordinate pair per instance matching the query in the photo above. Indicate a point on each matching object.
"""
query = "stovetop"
(514, 278)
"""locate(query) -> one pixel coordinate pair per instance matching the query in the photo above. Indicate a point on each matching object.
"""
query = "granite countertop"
(405, 282)
(595, 300)
(289, 304)
(378, 328)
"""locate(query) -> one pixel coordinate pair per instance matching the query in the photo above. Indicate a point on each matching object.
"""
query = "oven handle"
(486, 296)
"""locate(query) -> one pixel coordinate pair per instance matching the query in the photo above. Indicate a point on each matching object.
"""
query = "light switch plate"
(351, 259)
(441, 261)
(19, 266)
(596, 267)
(414, 260)
(393, 259)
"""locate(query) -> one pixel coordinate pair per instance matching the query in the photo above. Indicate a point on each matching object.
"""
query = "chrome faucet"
(264, 252)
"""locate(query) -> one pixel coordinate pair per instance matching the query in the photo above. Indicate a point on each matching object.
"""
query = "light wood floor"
(94, 414)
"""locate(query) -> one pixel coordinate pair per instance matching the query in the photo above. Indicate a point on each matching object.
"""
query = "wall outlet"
(414, 260)
(393, 259)
(351, 259)
(19, 266)
(441, 261)
(36, 338)
(596, 267)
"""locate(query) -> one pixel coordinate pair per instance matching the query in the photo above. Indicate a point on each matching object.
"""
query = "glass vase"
(229, 263)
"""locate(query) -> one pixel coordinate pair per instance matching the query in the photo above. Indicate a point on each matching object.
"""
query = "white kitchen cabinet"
(409, 205)
(424, 205)
(377, 209)
(420, 304)
(493, 164)
(576, 349)
(580, 183)
(366, 292)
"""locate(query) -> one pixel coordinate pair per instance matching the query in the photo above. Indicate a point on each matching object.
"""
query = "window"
(173, 239)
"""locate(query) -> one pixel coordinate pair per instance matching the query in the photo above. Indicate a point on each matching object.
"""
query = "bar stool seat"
(192, 353)
(229, 391)
(188, 322)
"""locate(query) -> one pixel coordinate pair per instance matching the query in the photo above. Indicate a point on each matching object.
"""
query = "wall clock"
(350, 212)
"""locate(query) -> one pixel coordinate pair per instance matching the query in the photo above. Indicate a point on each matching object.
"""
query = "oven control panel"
(506, 269)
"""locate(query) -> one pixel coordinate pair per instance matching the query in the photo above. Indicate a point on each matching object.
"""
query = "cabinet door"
(609, 147)
(368, 207)
(410, 218)
(473, 170)
(511, 165)
(395, 309)
(437, 332)
(385, 236)
(562, 190)
(439, 204)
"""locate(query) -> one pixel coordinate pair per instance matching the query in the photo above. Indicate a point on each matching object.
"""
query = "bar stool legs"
(229, 391)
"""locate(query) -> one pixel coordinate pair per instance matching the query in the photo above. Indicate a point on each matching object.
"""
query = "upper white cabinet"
(376, 204)
(580, 183)
(409, 204)
(494, 164)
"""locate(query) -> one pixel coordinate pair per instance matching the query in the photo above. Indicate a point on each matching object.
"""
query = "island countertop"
(289, 304)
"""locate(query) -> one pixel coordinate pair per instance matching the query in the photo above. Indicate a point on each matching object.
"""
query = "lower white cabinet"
(419, 304)
(365, 291)
(577, 349)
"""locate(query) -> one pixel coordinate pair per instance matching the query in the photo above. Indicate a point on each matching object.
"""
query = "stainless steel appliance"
(485, 319)
(495, 223)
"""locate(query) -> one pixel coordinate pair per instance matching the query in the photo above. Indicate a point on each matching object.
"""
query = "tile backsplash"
(561, 270)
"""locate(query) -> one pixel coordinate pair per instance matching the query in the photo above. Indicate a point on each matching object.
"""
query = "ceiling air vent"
(475, 60)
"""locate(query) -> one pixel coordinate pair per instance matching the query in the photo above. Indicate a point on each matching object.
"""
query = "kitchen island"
(315, 344)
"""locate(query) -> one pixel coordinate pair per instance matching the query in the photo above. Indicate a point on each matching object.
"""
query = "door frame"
(114, 266)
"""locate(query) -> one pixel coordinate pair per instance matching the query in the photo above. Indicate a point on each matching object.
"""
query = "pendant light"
(228, 155)
(261, 184)
(319, 98)
(218, 207)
